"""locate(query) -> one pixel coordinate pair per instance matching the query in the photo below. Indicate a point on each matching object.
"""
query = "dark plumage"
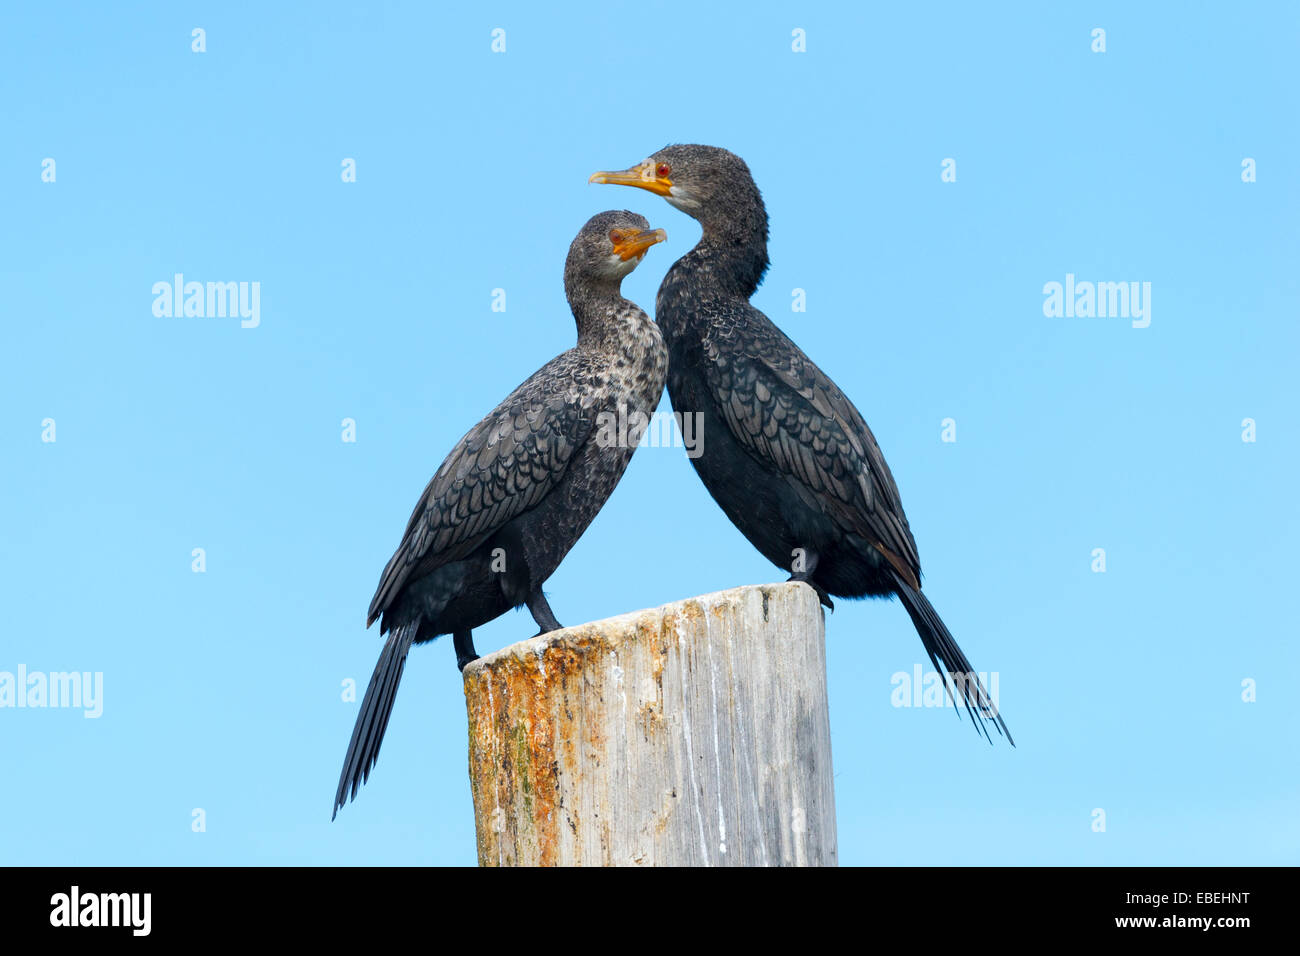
(787, 456)
(522, 486)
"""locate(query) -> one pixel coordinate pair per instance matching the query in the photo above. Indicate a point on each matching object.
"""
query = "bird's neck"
(608, 322)
(731, 256)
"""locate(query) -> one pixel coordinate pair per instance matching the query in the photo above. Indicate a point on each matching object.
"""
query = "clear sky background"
(222, 690)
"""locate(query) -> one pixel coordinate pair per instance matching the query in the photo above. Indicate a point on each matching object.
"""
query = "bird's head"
(701, 181)
(713, 187)
(608, 247)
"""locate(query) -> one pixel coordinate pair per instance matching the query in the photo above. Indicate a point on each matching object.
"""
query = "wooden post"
(695, 734)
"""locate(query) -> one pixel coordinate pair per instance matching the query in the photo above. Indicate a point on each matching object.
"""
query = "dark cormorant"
(522, 486)
(788, 457)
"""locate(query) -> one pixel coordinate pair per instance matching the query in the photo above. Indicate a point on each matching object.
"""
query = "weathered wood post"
(692, 734)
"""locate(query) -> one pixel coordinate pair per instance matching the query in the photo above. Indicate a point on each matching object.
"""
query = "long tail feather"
(949, 660)
(372, 721)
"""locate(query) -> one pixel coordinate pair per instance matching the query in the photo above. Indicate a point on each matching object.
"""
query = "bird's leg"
(541, 612)
(805, 564)
(464, 643)
(822, 595)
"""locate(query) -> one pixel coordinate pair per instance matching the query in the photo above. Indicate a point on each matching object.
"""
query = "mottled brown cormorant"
(522, 486)
(787, 457)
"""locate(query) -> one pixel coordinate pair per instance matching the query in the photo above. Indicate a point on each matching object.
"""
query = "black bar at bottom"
(948, 906)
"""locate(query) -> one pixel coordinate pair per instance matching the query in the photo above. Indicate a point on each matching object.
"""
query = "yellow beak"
(641, 175)
(636, 243)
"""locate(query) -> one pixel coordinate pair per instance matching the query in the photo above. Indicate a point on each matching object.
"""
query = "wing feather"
(788, 412)
(501, 468)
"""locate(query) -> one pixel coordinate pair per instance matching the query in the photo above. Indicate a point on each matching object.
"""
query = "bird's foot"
(542, 614)
(822, 596)
(465, 653)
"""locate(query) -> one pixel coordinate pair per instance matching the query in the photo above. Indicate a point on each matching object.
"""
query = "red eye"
(615, 236)
(663, 170)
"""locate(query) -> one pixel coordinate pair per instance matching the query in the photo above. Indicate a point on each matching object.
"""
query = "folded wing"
(785, 410)
(503, 467)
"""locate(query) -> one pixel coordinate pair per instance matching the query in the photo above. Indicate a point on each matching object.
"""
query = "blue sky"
(221, 690)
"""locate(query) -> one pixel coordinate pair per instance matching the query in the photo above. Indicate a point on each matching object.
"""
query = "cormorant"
(522, 486)
(789, 459)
